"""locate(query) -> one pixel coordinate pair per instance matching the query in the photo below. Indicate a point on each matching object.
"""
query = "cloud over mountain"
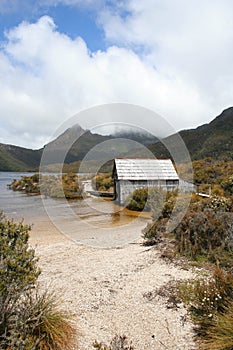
(175, 58)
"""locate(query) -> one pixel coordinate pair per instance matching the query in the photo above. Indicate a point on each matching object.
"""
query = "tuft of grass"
(207, 298)
(220, 334)
(29, 320)
(44, 324)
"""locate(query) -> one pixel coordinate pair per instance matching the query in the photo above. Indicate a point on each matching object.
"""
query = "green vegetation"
(204, 237)
(211, 171)
(209, 301)
(52, 186)
(152, 199)
(138, 200)
(227, 185)
(205, 230)
(103, 182)
(220, 334)
(209, 140)
(207, 234)
(13, 158)
(29, 320)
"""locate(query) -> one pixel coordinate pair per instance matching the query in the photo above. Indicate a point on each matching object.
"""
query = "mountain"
(14, 158)
(79, 143)
(209, 140)
(82, 143)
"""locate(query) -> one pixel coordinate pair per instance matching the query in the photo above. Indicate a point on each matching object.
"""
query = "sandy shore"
(106, 290)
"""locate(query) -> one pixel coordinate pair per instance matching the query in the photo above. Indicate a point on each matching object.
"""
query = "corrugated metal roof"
(145, 169)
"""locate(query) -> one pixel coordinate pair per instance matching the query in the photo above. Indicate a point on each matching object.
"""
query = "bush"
(153, 232)
(163, 204)
(227, 185)
(18, 268)
(27, 184)
(66, 186)
(158, 203)
(138, 200)
(103, 182)
(200, 233)
(28, 320)
(215, 203)
(50, 186)
(207, 299)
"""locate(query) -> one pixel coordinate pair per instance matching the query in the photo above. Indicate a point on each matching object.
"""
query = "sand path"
(105, 289)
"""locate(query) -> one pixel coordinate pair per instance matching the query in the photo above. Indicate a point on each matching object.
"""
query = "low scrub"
(28, 320)
(54, 186)
(154, 199)
(103, 182)
(205, 233)
(210, 303)
(138, 200)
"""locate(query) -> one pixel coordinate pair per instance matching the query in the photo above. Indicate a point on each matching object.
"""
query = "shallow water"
(92, 221)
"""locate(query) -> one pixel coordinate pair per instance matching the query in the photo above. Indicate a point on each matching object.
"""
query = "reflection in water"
(116, 217)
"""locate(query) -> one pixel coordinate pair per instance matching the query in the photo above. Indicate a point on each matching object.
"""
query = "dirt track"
(107, 290)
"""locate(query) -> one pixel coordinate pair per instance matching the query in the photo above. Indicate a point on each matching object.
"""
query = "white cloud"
(188, 40)
(183, 70)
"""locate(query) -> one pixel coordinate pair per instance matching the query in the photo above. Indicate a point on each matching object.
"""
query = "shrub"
(28, 320)
(138, 200)
(27, 184)
(215, 203)
(153, 232)
(200, 233)
(50, 185)
(18, 268)
(227, 185)
(163, 204)
(103, 182)
(157, 201)
(59, 187)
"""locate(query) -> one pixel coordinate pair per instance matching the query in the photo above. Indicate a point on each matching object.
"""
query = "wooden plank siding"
(132, 174)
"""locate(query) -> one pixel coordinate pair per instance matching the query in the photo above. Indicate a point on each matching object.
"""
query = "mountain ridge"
(214, 139)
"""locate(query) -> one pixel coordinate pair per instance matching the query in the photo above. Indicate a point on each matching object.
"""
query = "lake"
(92, 221)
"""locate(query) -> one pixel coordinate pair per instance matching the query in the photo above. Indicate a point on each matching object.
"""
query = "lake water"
(91, 221)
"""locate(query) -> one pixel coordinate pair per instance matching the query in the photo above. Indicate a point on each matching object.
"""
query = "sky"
(61, 57)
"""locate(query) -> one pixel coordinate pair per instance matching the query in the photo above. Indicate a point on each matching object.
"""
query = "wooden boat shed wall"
(132, 174)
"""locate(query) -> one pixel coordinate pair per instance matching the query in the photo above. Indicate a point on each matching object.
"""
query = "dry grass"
(50, 327)
(220, 335)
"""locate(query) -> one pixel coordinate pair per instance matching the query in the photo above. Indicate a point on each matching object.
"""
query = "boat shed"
(132, 174)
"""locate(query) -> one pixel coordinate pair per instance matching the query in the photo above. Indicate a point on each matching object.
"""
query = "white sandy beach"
(106, 289)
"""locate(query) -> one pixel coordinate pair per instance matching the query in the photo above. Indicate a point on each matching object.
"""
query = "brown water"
(92, 221)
